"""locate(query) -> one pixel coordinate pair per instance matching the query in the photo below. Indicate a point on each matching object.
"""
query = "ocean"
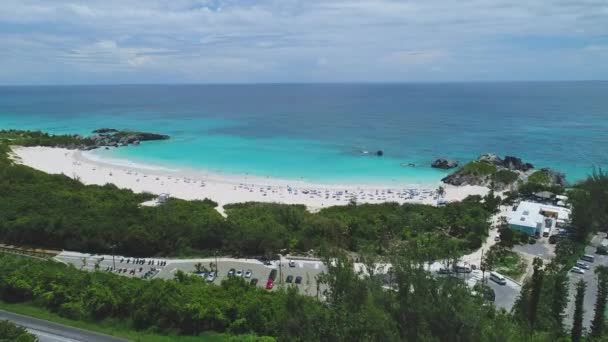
(318, 132)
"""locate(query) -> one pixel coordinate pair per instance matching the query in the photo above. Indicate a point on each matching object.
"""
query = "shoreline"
(190, 184)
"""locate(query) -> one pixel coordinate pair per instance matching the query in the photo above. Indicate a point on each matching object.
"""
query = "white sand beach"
(224, 189)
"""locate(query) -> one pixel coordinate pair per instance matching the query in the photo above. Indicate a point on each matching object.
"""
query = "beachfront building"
(535, 219)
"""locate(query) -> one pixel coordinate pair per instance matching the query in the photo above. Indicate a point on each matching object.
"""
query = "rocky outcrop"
(105, 131)
(490, 158)
(556, 178)
(509, 162)
(510, 172)
(514, 163)
(115, 138)
(444, 164)
(464, 178)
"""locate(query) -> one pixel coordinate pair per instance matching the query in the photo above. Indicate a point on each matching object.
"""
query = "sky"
(259, 41)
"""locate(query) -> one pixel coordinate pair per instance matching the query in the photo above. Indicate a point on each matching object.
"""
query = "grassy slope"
(116, 328)
(510, 264)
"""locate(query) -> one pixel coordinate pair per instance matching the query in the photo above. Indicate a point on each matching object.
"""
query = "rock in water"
(444, 164)
(379, 153)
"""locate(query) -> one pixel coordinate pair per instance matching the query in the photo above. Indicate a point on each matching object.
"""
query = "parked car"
(269, 284)
(292, 263)
(273, 275)
(298, 280)
(231, 272)
(553, 239)
(211, 277)
(443, 270)
(239, 273)
(254, 282)
(577, 270)
(582, 265)
(289, 279)
(248, 274)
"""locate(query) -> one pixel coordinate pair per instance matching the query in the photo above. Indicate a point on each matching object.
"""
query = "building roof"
(528, 214)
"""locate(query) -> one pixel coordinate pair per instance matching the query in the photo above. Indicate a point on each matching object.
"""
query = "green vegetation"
(478, 168)
(55, 211)
(10, 332)
(590, 205)
(505, 177)
(506, 262)
(541, 177)
(37, 138)
(355, 309)
(118, 328)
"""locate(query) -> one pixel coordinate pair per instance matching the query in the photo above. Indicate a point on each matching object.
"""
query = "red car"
(269, 284)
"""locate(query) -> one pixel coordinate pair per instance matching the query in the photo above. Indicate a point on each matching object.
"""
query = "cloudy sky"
(210, 41)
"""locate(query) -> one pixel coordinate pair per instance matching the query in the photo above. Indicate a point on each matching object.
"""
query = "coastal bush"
(10, 332)
(479, 168)
(38, 138)
(505, 177)
(55, 211)
(540, 177)
(356, 309)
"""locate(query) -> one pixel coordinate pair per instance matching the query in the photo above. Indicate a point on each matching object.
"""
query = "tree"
(10, 332)
(507, 236)
(598, 325)
(577, 324)
(440, 191)
(559, 298)
(537, 286)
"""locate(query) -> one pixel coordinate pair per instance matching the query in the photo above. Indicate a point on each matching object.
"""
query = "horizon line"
(295, 83)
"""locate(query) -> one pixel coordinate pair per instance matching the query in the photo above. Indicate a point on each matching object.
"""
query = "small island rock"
(444, 164)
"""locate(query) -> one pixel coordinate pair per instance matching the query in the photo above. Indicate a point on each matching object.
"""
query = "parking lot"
(591, 280)
(149, 268)
(542, 249)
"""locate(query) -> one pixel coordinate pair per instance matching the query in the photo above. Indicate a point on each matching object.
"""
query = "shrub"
(505, 177)
(478, 168)
(540, 177)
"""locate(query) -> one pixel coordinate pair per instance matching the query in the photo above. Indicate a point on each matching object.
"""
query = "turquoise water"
(317, 132)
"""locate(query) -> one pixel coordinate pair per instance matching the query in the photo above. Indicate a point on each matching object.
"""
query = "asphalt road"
(53, 332)
(591, 291)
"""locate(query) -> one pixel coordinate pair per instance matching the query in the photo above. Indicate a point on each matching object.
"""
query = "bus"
(588, 257)
(498, 278)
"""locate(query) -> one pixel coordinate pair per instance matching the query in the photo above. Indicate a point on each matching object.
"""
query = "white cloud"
(406, 58)
(281, 40)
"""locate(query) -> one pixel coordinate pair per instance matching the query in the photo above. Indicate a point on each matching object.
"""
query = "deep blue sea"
(317, 131)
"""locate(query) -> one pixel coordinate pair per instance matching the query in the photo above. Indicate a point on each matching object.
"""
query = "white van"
(462, 269)
(498, 278)
(546, 232)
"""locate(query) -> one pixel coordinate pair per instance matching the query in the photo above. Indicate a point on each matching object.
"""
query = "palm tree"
(440, 191)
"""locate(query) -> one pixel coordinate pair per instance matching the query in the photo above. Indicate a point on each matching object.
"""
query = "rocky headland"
(103, 137)
(503, 173)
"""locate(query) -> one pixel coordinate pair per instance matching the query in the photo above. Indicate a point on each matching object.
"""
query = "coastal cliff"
(103, 137)
(503, 173)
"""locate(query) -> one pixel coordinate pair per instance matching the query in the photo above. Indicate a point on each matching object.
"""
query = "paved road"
(53, 332)
(591, 280)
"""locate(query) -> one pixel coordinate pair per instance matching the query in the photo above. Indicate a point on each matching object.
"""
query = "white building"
(536, 218)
